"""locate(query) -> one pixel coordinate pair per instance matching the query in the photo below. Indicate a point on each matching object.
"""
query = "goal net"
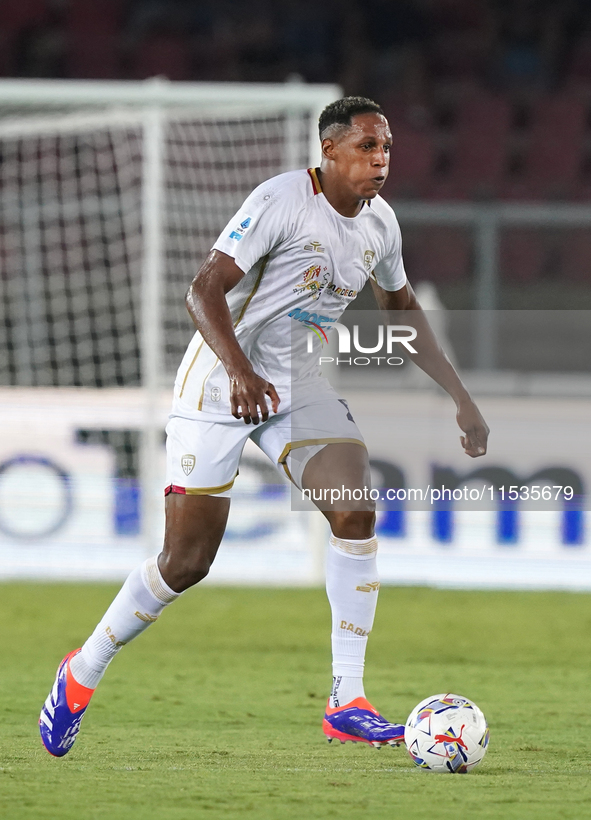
(106, 205)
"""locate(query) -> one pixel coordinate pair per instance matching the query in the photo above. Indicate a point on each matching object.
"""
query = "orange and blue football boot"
(359, 722)
(62, 712)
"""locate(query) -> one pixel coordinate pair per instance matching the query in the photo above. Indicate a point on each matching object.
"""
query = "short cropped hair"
(342, 111)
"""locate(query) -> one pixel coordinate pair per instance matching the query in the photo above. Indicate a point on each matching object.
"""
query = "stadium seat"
(557, 144)
(166, 54)
(576, 255)
(461, 15)
(455, 57)
(93, 33)
(457, 46)
(94, 56)
(411, 161)
(16, 15)
(19, 13)
(87, 17)
(437, 254)
(5, 54)
(554, 152)
(522, 255)
(579, 68)
(480, 153)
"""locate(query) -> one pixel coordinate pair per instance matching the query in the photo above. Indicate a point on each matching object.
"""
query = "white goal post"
(111, 194)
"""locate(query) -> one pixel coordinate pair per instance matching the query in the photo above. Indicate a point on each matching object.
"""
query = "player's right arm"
(206, 302)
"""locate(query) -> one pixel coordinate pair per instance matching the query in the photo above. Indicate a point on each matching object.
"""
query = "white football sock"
(352, 587)
(138, 604)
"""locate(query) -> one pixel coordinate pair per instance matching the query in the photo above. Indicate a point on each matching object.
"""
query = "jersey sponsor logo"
(309, 318)
(312, 321)
(318, 330)
(314, 246)
(316, 278)
(187, 463)
(241, 229)
(368, 257)
(349, 294)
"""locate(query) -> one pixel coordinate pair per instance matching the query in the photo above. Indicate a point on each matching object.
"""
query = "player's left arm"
(431, 358)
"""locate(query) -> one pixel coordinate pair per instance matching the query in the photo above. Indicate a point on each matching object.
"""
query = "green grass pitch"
(216, 711)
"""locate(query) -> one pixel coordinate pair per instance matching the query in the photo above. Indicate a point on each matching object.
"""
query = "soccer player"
(304, 241)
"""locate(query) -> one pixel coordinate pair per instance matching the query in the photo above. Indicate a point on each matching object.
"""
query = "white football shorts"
(202, 457)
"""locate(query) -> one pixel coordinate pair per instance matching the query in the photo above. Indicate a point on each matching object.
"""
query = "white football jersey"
(303, 263)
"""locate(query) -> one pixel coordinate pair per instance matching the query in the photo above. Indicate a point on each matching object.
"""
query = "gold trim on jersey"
(200, 405)
(264, 262)
(190, 367)
(236, 323)
(310, 442)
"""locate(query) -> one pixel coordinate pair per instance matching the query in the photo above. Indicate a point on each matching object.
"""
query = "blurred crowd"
(488, 98)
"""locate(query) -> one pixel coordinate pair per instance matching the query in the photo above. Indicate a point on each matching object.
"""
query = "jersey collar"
(316, 186)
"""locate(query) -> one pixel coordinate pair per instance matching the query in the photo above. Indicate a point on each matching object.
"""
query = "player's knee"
(356, 524)
(195, 572)
(180, 574)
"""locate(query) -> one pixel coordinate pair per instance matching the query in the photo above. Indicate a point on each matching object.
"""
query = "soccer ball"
(446, 733)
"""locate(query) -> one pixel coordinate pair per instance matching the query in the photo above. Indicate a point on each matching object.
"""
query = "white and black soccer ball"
(446, 733)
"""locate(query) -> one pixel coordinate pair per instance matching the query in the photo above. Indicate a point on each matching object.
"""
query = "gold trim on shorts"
(176, 489)
(210, 490)
(309, 442)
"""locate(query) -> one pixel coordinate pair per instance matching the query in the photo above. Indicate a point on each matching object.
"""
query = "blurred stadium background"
(130, 131)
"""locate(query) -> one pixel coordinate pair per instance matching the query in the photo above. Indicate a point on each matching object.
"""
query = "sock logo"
(372, 586)
(187, 463)
(144, 616)
(113, 639)
(352, 628)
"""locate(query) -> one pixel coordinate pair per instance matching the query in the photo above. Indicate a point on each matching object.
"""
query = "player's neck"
(342, 200)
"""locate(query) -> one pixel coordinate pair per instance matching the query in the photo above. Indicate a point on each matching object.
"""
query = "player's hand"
(475, 428)
(247, 397)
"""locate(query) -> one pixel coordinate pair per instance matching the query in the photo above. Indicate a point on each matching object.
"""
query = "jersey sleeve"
(258, 227)
(389, 272)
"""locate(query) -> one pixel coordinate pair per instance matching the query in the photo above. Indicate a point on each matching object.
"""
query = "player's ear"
(328, 146)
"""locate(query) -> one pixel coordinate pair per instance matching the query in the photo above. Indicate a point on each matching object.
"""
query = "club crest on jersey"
(368, 260)
(316, 278)
(216, 393)
(187, 463)
(314, 246)
(241, 229)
